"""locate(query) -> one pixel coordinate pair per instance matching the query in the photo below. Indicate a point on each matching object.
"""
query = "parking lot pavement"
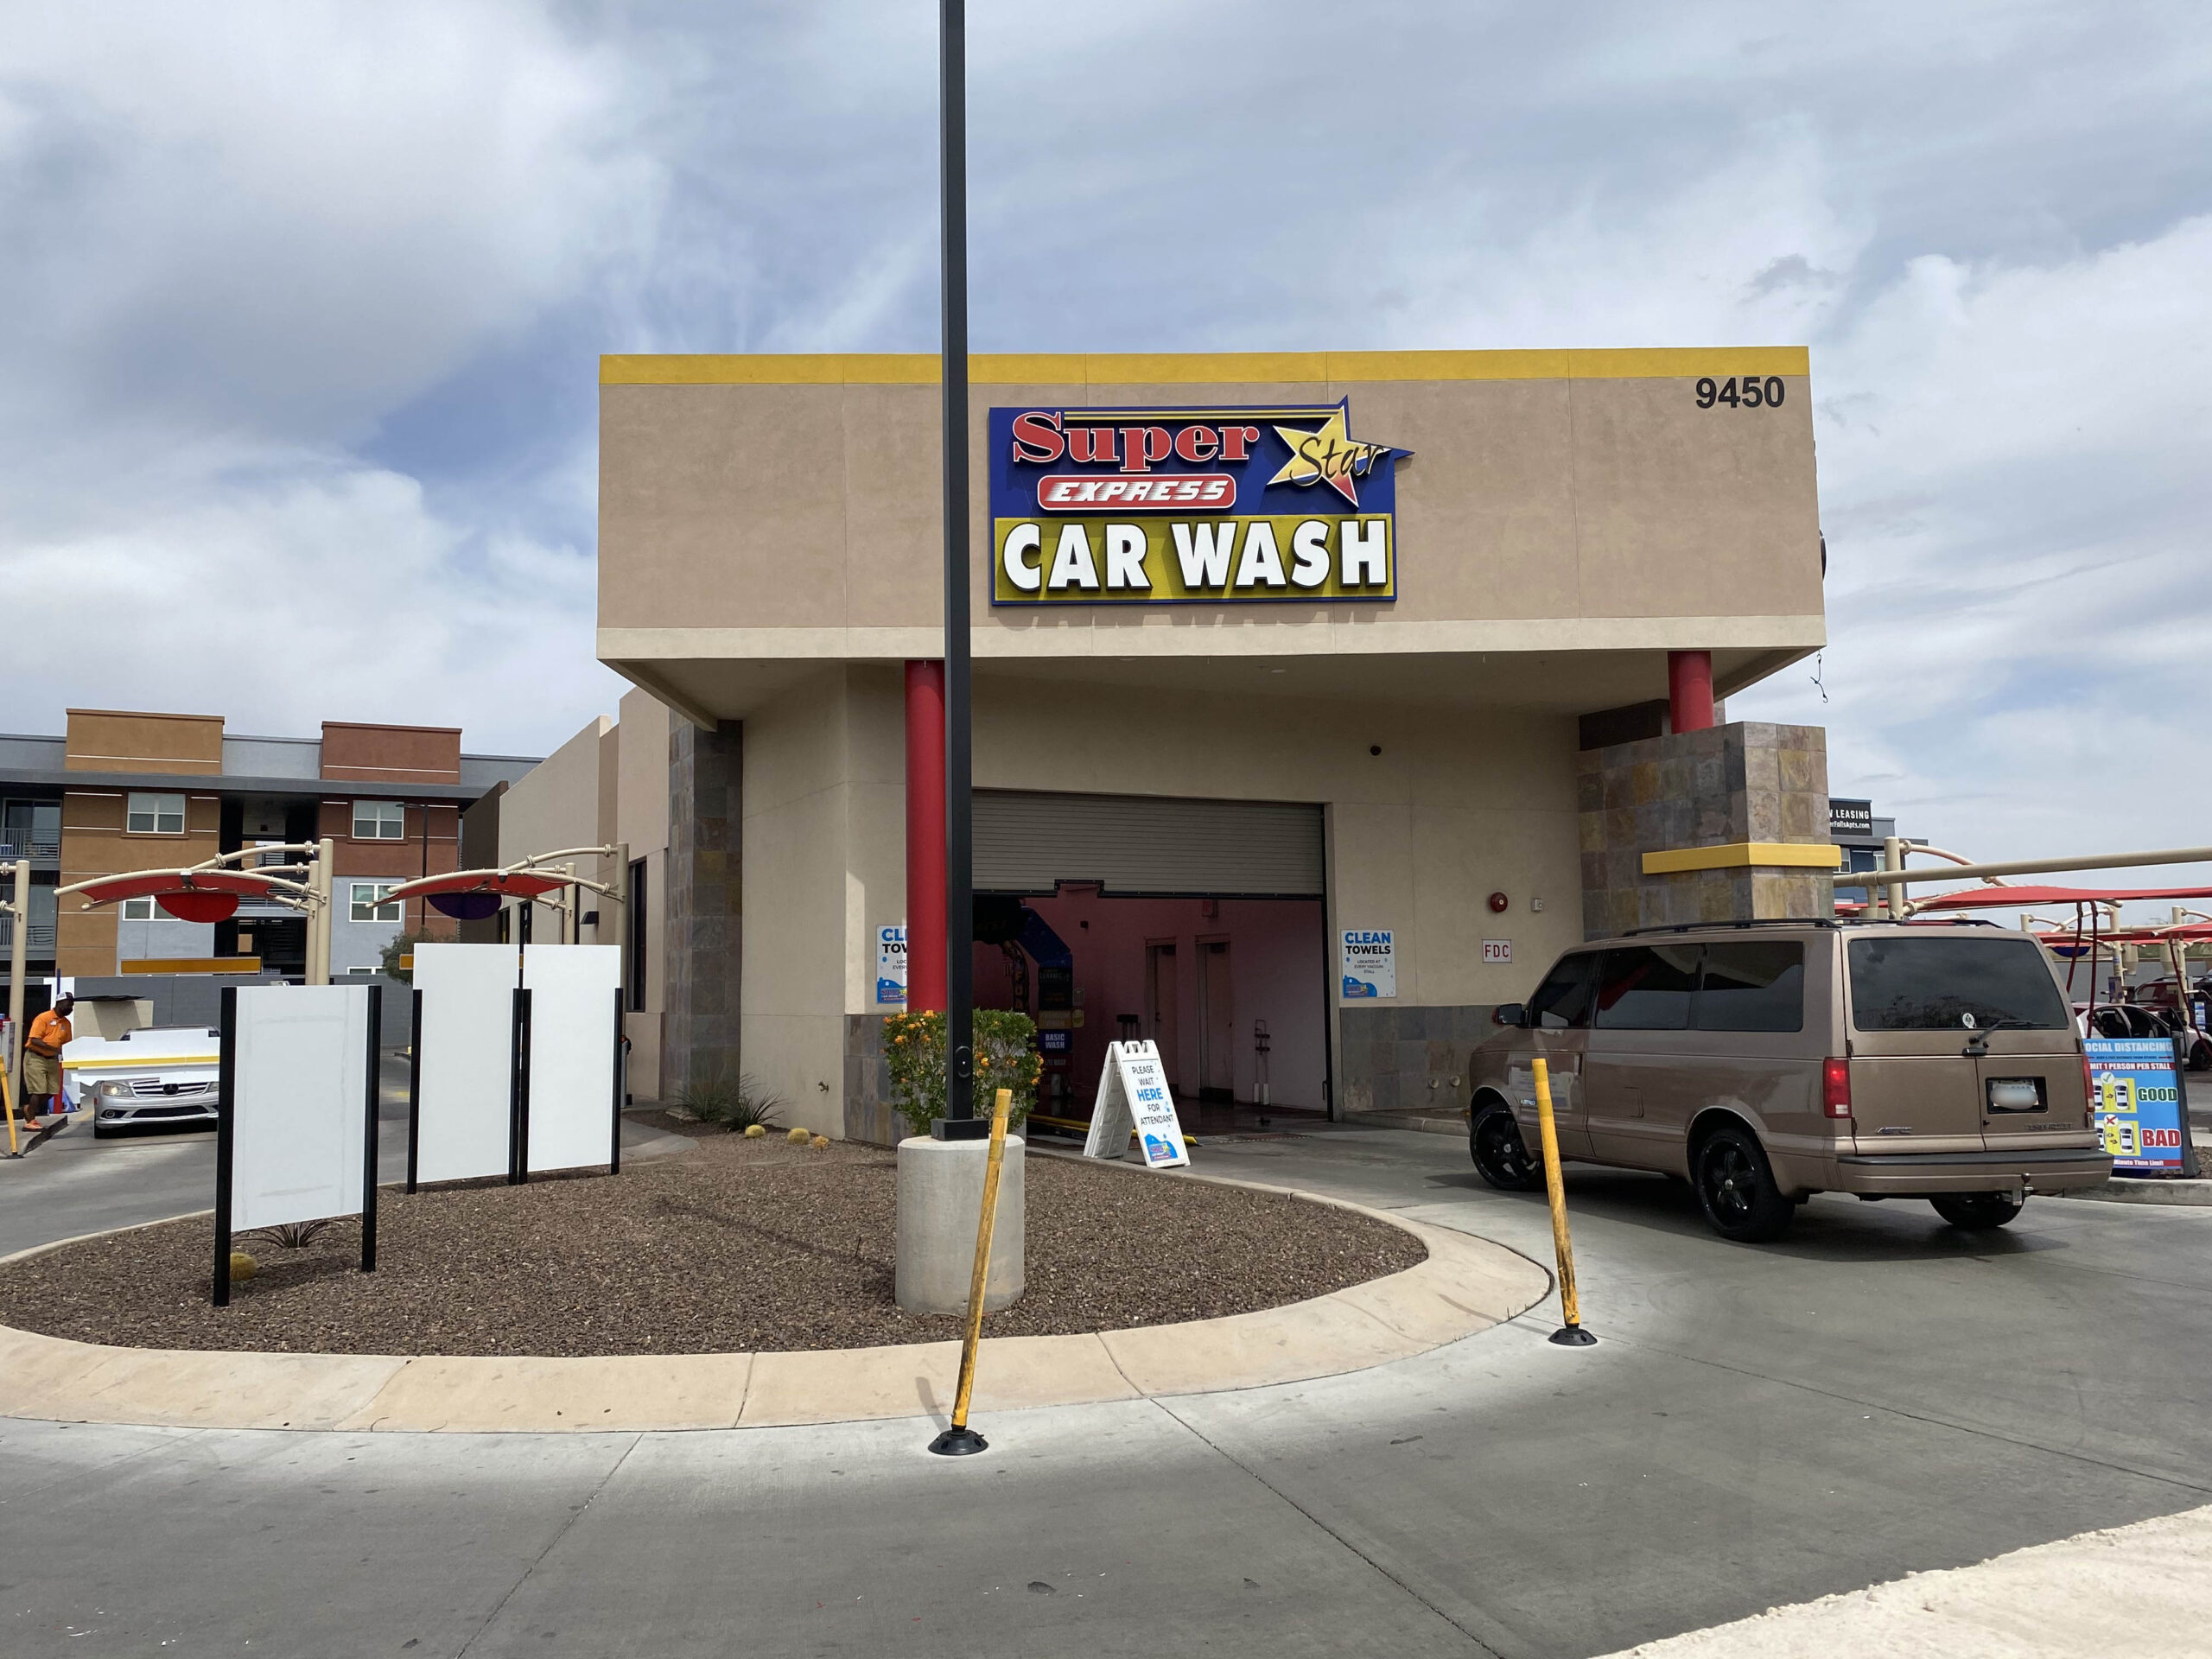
(1874, 1395)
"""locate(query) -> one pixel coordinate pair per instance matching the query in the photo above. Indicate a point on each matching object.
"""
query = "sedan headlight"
(113, 1089)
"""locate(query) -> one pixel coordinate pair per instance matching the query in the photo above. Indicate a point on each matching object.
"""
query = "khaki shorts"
(41, 1075)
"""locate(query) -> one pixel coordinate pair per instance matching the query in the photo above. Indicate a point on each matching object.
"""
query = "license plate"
(2016, 1095)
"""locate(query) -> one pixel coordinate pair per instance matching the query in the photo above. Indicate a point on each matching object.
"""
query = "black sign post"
(226, 1073)
(519, 1092)
(959, 1121)
(370, 1129)
(414, 1089)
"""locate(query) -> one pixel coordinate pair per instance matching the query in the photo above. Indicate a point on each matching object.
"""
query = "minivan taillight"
(2088, 1084)
(1835, 1088)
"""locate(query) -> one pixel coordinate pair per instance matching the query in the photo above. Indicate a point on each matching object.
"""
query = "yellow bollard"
(7, 1104)
(959, 1440)
(1571, 1334)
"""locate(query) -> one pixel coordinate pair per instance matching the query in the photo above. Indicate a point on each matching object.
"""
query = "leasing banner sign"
(1214, 506)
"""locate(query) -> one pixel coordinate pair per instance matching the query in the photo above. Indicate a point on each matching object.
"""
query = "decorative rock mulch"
(741, 1246)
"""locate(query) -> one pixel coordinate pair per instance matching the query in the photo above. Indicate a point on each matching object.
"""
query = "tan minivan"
(1766, 1062)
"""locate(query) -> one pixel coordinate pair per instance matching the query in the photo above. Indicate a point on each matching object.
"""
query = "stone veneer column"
(1746, 782)
(704, 904)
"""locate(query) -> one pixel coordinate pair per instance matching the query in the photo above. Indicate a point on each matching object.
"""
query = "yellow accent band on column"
(1747, 855)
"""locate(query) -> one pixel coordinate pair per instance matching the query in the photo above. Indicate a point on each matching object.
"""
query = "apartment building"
(125, 790)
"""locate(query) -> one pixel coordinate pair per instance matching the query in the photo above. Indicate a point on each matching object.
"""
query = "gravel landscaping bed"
(739, 1246)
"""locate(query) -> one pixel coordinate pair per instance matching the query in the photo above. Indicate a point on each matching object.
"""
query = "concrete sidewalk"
(2145, 1590)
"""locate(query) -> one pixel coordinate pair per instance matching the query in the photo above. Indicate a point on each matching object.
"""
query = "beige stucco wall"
(1554, 501)
(798, 852)
(558, 805)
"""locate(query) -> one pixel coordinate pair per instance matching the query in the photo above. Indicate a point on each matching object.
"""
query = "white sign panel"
(891, 965)
(1371, 963)
(571, 1051)
(1133, 1096)
(464, 1050)
(1497, 949)
(299, 1093)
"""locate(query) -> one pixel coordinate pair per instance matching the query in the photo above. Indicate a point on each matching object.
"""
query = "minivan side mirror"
(1510, 1014)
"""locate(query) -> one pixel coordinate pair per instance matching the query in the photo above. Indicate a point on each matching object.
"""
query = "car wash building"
(1319, 700)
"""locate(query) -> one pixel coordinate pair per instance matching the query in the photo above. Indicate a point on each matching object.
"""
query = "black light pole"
(959, 1121)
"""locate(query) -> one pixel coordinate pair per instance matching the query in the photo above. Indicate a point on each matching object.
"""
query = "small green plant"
(736, 1103)
(1006, 1058)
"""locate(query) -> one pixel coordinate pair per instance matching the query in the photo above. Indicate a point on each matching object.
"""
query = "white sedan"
(159, 1075)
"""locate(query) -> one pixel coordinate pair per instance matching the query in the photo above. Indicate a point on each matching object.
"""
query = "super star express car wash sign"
(1165, 506)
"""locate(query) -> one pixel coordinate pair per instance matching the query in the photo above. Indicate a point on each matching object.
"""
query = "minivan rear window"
(1752, 985)
(1935, 984)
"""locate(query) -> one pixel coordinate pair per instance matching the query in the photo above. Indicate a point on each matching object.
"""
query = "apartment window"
(369, 904)
(154, 814)
(138, 910)
(380, 821)
(33, 829)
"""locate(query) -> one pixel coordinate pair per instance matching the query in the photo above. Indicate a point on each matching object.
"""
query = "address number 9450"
(1750, 392)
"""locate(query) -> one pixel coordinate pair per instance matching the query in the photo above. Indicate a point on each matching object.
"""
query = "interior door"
(1217, 1023)
(1166, 1026)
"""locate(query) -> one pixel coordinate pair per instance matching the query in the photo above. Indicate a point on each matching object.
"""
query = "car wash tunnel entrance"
(1198, 925)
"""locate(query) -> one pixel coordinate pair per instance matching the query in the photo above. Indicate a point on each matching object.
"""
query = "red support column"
(926, 958)
(1689, 690)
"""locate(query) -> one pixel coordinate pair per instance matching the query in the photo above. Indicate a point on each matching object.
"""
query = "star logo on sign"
(1328, 455)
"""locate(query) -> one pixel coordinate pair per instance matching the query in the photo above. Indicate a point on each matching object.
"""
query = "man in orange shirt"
(42, 1044)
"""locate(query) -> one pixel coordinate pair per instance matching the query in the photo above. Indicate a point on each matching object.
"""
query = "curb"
(2182, 1194)
(1427, 1123)
(1465, 1286)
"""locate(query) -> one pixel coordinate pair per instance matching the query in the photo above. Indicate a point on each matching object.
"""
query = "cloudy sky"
(300, 304)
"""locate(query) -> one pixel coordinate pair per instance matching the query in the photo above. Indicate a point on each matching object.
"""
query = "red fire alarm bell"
(1498, 901)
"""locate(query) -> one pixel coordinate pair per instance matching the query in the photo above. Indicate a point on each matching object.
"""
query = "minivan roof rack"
(1918, 921)
(1755, 921)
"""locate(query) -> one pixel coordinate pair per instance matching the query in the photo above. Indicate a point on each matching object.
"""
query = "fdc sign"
(1164, 506)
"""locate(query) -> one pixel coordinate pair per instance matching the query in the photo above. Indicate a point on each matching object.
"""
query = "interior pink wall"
(1276, 964)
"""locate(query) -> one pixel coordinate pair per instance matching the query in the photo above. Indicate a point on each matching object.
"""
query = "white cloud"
(306, 295)
(322, 590)
(284, 217)
(2016, 498)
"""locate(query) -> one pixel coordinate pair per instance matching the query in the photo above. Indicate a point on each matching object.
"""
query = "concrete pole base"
(940, 1201)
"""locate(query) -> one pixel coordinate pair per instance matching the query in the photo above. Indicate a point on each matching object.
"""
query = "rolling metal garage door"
(1028, 842)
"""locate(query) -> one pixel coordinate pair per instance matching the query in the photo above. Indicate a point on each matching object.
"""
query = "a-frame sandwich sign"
(1133, 1096)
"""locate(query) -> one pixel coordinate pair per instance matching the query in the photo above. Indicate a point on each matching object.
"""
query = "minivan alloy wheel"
(1736, 1189)
(1500, 1155)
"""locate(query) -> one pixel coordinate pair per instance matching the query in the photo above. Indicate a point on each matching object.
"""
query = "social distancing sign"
(1134, 1098)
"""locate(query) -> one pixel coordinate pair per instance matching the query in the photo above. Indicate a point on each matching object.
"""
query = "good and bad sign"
(1134, 1096)
(1151, 506)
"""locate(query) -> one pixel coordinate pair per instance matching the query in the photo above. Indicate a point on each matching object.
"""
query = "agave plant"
(292, 1235)
(736, 1103)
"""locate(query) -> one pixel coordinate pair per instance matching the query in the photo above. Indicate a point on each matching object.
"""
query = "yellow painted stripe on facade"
(189, 965)
(1203, 368)
(1747, 855)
